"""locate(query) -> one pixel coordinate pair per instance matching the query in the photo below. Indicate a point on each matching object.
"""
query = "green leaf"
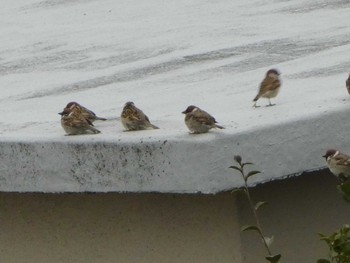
(327, 239)
(247, 163)
(260, 204)
(237, 190)
(236, 168)
(344, 188)
(321, 235)
(345, 229)
(269, 240)
(251, 173)
(238, 159)
(274, 259)
(250, 227)
(346, 248)
(322, 260)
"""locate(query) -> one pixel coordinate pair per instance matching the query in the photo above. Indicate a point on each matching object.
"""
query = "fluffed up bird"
(133, 119)
(88, 114)
(338, 163)
(74, 123)
(269, 87)
(199, 121)
(347, 83)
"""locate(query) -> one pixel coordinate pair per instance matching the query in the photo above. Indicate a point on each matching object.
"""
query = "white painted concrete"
(188, 164)
(165, 56)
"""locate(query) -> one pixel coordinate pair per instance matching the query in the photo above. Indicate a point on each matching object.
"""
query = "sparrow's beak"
(324, 156)
(184, 112)
(60, 113)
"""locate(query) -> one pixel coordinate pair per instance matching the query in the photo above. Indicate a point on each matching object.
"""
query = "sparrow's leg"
(270, 104)
(194, 133)
(255, 106)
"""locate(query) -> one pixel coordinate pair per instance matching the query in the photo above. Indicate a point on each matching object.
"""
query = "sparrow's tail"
(154, 126)
(256, 98)
(94, 130)
(100, 119)
(220, 127)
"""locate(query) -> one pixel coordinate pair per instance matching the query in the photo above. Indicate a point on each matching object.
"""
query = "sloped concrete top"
(165, 56)
(187, 164)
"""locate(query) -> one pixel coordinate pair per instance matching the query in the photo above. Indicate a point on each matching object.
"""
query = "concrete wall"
(123, 228)
(169, 228)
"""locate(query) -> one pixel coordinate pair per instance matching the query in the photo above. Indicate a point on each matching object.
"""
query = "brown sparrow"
(269, 87)
(88, 114)
(338, 163)
(199, 121)
(348, 84)
(133, 119)
(74, 123)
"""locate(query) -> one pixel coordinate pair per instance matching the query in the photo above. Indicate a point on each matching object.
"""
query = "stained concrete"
(166, 164)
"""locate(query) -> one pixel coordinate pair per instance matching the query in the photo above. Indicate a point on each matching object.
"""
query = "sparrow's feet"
(193, 133)
(270, 105)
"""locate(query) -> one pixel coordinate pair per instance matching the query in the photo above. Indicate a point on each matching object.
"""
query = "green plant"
(339, 242)
(267, 241)
(344, 189)
(339, 246)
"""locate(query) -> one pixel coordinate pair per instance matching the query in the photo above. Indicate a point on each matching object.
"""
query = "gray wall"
(118, 228)
(170, 228)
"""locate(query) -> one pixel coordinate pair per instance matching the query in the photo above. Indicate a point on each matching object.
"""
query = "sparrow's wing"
(89, 122)
(79, 122)
(203, 117)
(342, 159)
(141, 115)
(88, 111)
(78, 119)
(269, 84)
(130, 114)
(136, 116)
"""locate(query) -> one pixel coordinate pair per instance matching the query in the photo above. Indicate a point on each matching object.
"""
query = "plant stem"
(255, 213)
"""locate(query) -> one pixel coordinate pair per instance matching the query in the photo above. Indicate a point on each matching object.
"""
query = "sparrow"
(347, 83)
(88, 114)
(133, 119)
(199, 121)
(269, 87)
(338, 163)
(74, 122)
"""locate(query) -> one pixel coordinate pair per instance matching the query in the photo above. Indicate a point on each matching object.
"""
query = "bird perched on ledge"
(88, 114)
(269, 87)
(133, 119)
(338, 163)
(347, 83)
(74, 122)
(199, 121)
